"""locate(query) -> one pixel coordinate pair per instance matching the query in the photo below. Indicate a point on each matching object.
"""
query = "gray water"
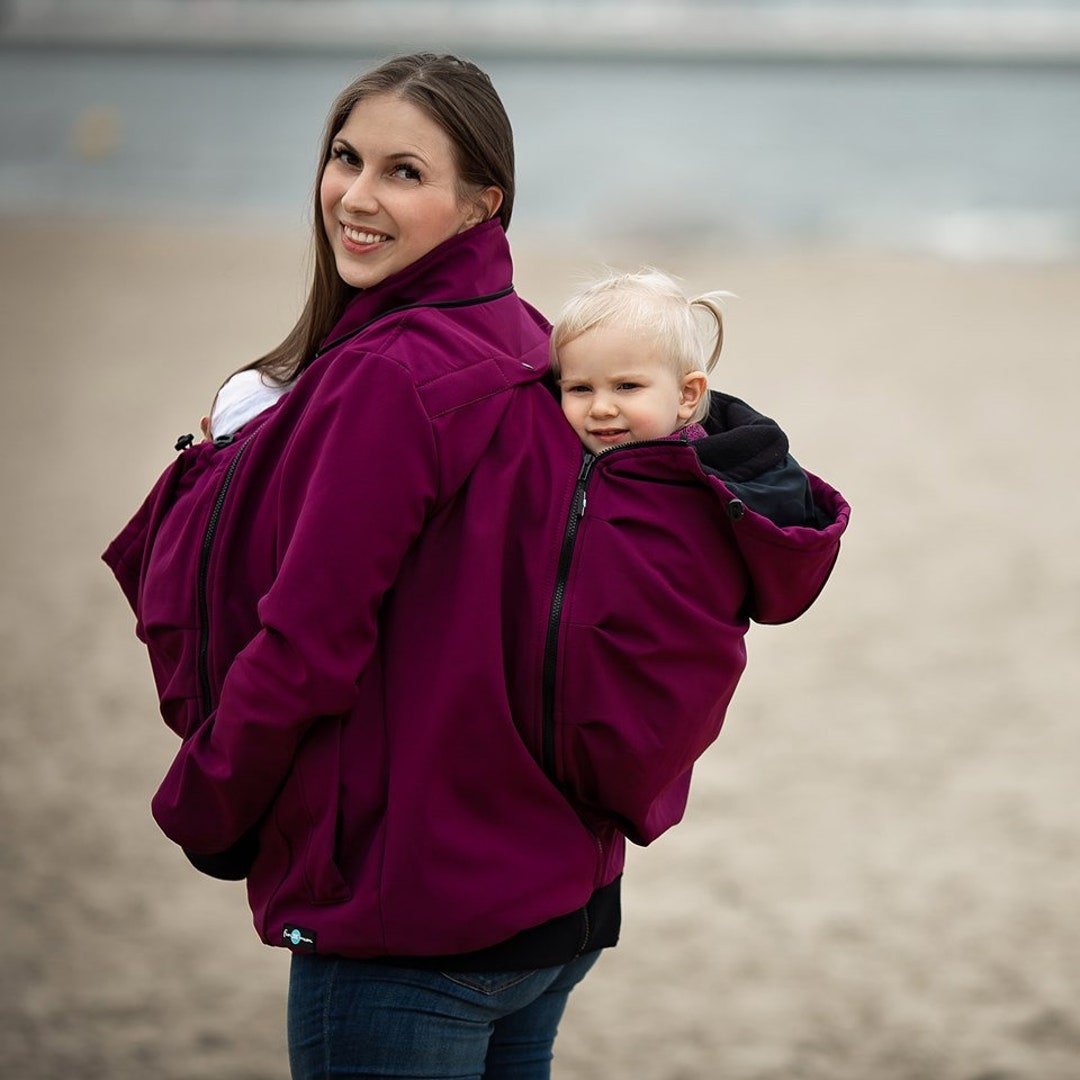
(964, 161)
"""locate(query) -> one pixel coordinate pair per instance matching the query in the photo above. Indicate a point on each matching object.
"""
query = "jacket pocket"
(310, 808)
(234, 863)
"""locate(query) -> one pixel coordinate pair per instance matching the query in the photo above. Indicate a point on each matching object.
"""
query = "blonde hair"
(651, 302)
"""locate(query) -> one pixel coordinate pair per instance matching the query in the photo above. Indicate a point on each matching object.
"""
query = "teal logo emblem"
(298, 937)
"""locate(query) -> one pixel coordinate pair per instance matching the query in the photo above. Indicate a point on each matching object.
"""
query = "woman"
(351, 606)
(353, 705)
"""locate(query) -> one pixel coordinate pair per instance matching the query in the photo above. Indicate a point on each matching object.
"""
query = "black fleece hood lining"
(740, 442)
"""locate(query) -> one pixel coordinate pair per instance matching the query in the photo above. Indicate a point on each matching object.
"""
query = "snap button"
(735, 509)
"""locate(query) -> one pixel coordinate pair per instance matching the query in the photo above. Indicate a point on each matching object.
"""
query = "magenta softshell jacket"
(432, 658)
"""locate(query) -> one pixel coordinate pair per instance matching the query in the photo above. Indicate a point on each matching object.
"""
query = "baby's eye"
(579, 389)
(629, 386)
(405, 172)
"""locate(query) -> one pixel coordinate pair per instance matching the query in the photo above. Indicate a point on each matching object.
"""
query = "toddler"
(628, 356)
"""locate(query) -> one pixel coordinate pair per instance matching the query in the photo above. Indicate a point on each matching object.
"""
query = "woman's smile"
(362, 239)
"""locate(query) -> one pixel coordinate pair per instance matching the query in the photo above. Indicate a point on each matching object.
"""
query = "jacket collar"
(471, 264)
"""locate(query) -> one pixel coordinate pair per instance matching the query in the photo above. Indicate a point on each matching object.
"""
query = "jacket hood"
(740, 443)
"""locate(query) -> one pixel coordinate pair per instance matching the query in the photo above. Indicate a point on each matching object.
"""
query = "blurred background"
(878, 873)
(918, 126)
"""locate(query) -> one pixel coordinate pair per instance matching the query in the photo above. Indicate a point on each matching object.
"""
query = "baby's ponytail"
(710, 302)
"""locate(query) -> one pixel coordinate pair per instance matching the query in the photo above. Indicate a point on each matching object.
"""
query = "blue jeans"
(353, 1019)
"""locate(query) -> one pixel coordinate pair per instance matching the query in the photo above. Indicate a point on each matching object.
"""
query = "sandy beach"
(879, 872)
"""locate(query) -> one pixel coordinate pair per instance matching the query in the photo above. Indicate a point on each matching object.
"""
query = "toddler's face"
(618, 387)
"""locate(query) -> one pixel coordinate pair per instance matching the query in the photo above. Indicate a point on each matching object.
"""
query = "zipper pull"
(587, 463)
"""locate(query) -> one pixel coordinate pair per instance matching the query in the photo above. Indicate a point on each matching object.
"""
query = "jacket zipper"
(566, 554)
(551, 645)
(204, 573)
(551, 653)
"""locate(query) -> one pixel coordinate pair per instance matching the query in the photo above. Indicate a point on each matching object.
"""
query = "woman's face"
(390, 191)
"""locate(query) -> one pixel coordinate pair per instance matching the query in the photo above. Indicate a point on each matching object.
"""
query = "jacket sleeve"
(359, 476)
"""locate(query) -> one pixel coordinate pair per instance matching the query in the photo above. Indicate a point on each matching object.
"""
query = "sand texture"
(879, 874)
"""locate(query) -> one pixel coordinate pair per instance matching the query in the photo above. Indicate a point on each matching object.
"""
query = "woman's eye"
(345, 156)
(405, 172)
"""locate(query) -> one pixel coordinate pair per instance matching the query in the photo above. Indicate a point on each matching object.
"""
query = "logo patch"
(299, 938)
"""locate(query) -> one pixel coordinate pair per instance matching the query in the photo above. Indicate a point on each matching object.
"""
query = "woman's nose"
(359, 196)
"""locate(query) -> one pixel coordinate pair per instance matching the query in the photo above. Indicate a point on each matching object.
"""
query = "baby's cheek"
(572, 414)
(653, 427)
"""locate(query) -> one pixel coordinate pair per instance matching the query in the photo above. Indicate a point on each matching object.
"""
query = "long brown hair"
(461, 99)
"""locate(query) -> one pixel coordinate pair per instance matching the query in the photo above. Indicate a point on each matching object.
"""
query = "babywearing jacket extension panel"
(378, 597)
(234, 863)
(646, 642)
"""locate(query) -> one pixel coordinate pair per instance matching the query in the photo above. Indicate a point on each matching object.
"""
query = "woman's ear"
(694, 386)
(485, 206)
